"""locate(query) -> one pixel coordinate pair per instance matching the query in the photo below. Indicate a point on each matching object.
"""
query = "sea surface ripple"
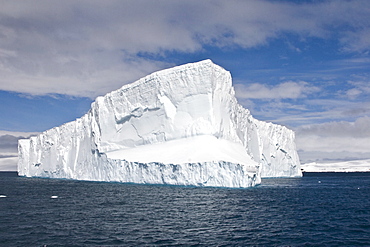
(325, 209)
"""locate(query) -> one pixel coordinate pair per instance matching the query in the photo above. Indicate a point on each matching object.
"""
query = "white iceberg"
(180, 126)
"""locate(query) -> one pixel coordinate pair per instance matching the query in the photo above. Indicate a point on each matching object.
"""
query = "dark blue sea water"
(317, 210)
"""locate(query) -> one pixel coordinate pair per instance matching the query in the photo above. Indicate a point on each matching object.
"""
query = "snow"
(344, 166)
(177, 126)
(188, 150)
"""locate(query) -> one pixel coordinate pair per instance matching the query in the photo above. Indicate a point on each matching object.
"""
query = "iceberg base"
(210, 174)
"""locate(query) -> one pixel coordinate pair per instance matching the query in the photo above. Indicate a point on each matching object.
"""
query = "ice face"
(177, 126)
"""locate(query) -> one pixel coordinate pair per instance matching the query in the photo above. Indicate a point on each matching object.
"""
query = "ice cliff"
(180, 126)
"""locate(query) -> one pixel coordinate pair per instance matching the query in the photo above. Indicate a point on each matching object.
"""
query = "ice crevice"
(180, 126)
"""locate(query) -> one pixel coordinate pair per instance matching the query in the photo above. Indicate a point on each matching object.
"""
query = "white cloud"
(285, 90)
(309, 110)
(361, 87)
(357, 41)
(357, 129)
(86, 48)
(88, 82)
(320, 156)
(8, 164)
(9, 141)
(9, 148)
(333, 144)
(349, 138)
(353, 93)
(18, 133)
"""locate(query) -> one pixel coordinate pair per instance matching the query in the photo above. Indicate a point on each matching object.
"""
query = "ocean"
(319, 209)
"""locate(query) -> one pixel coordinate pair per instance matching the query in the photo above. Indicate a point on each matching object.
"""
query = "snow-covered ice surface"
(344, 166)
(178, 126)
(188, 150)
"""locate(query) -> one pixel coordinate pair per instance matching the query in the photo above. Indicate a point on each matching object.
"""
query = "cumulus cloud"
(87, 48)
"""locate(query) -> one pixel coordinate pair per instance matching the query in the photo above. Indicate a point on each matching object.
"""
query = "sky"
(301, 64)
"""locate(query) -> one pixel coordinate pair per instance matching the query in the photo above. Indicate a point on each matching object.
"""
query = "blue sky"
(303, 64)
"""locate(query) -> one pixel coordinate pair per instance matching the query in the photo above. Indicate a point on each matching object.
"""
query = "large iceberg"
(180, 126)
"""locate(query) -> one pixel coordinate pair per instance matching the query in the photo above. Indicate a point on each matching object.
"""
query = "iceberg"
(178, 126)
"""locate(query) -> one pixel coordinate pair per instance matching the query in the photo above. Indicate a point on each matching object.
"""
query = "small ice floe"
(54, 197)
(2, 196)
(319, 182)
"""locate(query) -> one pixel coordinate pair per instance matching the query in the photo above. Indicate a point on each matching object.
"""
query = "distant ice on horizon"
(343, 166)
